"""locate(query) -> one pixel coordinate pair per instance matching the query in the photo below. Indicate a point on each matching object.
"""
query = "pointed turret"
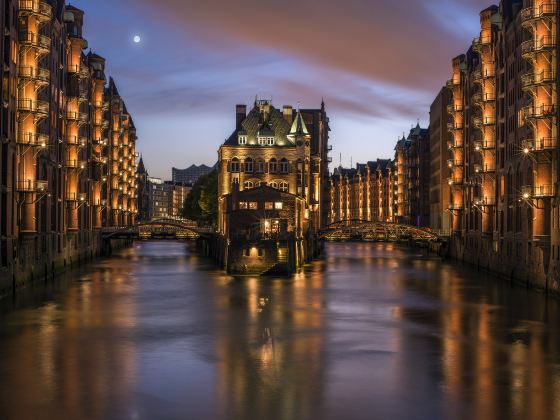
(299, 129)
(141, 168)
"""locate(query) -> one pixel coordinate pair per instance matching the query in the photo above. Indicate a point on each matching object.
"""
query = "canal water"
(373, 331)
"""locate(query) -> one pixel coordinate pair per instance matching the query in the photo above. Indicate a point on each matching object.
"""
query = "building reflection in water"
(64, 359)
(270, 347)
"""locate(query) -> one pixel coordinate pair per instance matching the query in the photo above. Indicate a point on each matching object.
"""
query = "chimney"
(288, 113)
(240, 115)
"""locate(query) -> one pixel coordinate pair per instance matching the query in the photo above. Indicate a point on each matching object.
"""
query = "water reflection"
(372, 331)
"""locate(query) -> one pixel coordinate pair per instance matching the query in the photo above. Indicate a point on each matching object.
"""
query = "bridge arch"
(365, 230)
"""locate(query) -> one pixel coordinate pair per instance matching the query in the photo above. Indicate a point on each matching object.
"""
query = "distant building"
(440, 191)
(412, 157)
(191, 174)
(158, 195)
(178, 193)
(143, 193)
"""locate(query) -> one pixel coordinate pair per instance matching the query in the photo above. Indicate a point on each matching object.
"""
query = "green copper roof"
(298, 126)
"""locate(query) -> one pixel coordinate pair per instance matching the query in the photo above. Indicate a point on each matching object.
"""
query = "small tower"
(300, 136)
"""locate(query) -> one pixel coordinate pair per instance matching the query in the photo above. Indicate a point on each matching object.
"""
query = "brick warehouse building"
(504, 147)
(67, 154)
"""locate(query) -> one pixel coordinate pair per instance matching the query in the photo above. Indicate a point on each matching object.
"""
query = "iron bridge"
(363, 230)
(164, 228)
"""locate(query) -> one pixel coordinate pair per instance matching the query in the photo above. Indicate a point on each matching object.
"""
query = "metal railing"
(32, 139)
(535, 45)
(31, 39)
(30, 185)
(34, 73)
(29, 105)
(37, 7)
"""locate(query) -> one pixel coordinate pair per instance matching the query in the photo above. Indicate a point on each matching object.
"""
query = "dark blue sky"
(377, 63)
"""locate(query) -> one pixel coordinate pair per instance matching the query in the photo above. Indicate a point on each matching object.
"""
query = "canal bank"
(40, 258)
(527, 263)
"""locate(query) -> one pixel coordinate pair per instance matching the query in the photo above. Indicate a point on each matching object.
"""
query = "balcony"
(451, 163)
(486, 168)
(77, 141)
(74, 196)
(39, 108)
(543, 111)
(455, 181)
(454, 126)
(539, 191)
(452, 83)
(479, 43)
(39, 75)
(32, 186)
(41, 43)
(530, 14)
(480, 146)
(532, 80)
(455, 207)
(541, 145)
(483, 98)
(453, 144)
(485, 201)
(38, 8)
(534, 46)
(76, 164)
(478, 76)
(481, 122)
(454, 108)
(32, 139)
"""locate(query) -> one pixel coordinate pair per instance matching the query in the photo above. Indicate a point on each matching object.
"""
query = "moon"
(137, 39)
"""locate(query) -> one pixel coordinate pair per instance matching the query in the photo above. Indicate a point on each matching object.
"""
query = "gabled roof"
(298, 126)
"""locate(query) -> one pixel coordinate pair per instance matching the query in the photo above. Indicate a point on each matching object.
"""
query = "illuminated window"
(272, 166)
(278, 205)
(253, 205)
(284, 166)
(248, 165)
(270, 141)
(274, 184)
(268, 206)
(262, 141)
(234, 166)
(284, 186)
(248, 185)
(242, 139)
(243, 205)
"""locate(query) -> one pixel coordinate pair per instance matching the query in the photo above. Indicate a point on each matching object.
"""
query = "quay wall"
(41, 257)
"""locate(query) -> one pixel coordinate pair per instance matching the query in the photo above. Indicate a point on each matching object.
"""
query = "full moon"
(137, 39)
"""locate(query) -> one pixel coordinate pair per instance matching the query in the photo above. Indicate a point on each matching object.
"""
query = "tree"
(201, 205)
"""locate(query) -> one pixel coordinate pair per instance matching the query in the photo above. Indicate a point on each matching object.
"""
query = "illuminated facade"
(277, 150)
(412, 161)
(68, 144)
(365, 193)
(504, 148)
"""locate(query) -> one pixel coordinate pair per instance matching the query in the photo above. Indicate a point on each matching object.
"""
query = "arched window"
(284, 166)
(261, 184)
(248, 185)
(273, 166)
(234, 165)
(259, 166)
(284, 186)
(249, 165)
(274, 184)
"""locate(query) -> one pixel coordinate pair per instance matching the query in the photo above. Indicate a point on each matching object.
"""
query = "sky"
(378, 64)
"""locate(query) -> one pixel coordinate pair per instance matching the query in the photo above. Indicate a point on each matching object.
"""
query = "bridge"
(163, 228)
(363, 230)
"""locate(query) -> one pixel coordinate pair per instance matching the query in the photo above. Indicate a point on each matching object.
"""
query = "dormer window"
(270, 141)
(242, 139)
(262, 141)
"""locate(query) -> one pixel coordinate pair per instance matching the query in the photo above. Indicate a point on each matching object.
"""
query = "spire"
(141, 169)
(298, 126)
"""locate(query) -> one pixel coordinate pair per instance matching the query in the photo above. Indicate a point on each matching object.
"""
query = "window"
(234, 165)
(242, 139)
(270, 141)
(284, 186)
(243, 205)
(248, 165)
(278, 205)
(248, 185)
(259, 167)
(253, 205)
(262, 141)
(284, 166)
(268, 206)
(272, 166)
(261, 184)
(274, 184)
